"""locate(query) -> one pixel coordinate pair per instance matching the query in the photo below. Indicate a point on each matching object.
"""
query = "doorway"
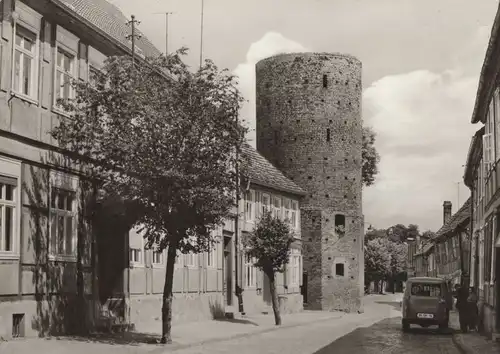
(497, 288)
(228, 271)
(303, 288)
(266, 289)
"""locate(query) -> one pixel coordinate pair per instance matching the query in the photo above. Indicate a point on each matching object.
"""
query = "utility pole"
(133, 36)
(167, 14)
(201, 31)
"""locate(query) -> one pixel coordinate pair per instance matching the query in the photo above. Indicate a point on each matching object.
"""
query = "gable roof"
(109, 19)
(460, 218)
(264, 173)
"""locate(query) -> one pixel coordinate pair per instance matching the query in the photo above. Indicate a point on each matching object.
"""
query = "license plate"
(425, 315)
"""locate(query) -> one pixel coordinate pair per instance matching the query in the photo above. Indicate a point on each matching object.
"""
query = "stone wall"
(309, 125)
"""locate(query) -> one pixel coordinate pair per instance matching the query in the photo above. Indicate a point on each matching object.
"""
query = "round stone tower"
(309, 126)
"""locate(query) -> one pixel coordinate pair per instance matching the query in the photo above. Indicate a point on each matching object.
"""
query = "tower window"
(328, 134)
(325, 81)
(339, 269)
(340, 225)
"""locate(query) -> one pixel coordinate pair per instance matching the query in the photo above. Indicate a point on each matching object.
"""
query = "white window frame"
(287, 206)
(32, 96)
(276, 207)
(294, 268)
(211, 255)
(488, 146)
(265, 206)
(250, 206)
(68, 183)
(12, 169)
(250, 272)
(154, 262)
(295, 215)
(190, 260)
(73, 73)
(133, 260)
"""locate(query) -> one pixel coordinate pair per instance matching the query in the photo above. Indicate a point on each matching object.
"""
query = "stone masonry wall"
(309, 125)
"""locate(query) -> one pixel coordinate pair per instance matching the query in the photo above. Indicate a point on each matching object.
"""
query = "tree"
(399, 255)
(370, 157)
(377, 259)
(165, 140)
(270, 244)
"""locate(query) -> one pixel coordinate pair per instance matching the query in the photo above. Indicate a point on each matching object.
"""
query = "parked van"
(426, 302)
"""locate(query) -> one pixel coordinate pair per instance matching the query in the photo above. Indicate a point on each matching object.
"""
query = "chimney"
(446, 211)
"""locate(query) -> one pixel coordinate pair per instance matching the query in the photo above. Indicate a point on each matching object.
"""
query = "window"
(249, 206)
(339, 269)
(428, 290)
(286, 209)
(157, 257)
(327, 134)
(266, 203)
(135, 255)
(496, 107)
(211, 257)
(294, 269)
(93, 75)
(325, 81)
(250, 272)
(25, 63)
(277, 207)
(8, 211)
(340, 225)
(190, 259)
(488, 150)
(62, 222)
(65, 73)
(294, 214)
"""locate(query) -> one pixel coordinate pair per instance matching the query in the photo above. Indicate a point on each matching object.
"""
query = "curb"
(175, 347)
(460, 344)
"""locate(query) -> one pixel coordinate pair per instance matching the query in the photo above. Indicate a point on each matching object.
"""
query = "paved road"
(386, 337)
(376, 331)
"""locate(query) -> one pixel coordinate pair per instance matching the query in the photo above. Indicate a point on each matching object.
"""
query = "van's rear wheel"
(405, 325)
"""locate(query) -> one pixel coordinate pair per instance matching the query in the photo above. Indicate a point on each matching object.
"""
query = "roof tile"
(109, 19)
(263, 172)
(460, 217)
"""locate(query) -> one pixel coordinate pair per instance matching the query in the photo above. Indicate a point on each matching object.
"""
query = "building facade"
(482, 176)
(309, 125)
(205, 284)
(48, 265)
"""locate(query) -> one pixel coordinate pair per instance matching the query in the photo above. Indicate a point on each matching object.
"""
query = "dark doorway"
(266, 289)
(497, 286)
(228, 271)
(303, 289)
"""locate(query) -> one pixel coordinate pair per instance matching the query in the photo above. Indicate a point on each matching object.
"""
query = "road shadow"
(237, 321)
(122, 338)
(395, 304)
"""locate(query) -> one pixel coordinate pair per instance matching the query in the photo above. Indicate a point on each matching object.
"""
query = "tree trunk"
(166, 311)
(274, 297)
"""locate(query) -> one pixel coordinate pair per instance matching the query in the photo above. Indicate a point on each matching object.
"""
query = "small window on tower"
(325, 81)
(328, 134)
(340, 224)
(339, 269)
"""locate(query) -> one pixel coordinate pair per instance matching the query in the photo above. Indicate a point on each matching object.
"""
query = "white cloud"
(270, 44)
(422, 119)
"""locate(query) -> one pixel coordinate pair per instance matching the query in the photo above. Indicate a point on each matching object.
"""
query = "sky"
(421, 64)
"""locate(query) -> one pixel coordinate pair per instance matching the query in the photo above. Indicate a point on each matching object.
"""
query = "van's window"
(422, 289)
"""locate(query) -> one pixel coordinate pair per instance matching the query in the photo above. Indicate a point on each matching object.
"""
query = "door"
(266, 290)
(303, 289)
(228, 272)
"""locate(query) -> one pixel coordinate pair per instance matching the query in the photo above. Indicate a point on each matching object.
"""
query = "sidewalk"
(472, 342)
(184, 335)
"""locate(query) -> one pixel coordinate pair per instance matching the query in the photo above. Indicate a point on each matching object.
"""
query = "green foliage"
(163, 139)
(377, 258)
(399, 255)
(370, 157)
(270, 243)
